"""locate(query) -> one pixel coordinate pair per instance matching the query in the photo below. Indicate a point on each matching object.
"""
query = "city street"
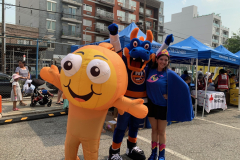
(214, 137)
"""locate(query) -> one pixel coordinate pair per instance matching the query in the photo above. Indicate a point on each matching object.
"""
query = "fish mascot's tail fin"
(179, 99)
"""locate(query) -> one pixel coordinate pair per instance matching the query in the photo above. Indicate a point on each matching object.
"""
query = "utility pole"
(3, 40)
(144, 18)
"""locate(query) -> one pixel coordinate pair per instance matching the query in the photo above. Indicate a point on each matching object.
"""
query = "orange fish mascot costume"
(93, 79)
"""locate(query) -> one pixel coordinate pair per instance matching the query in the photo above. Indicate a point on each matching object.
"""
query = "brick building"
(98, 15)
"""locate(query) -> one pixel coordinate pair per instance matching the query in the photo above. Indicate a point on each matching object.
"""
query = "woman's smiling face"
(162, 61)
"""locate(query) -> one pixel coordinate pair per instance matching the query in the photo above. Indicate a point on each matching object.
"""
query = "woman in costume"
(159, 86)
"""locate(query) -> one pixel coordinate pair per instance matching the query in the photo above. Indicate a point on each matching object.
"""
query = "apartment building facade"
(208, 29)
(73, 22)
(99, 14)
(58, 21)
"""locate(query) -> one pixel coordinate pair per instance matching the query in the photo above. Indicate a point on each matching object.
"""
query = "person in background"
(184, 75)
(200, 82)
(188, 80)
(59, 91)
(200, 71)
(233, 81)
(23, 71)
(210, 79)
(229, 72)
(173, 69)
(16, 94)
(222, 82)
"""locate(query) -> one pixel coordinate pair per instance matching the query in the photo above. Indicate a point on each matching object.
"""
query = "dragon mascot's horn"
(149, 36)
(134, 33)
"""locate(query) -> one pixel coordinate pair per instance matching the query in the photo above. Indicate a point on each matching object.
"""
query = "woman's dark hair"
(155, 64)
(23, 62)
(185, 72)
(187, 78)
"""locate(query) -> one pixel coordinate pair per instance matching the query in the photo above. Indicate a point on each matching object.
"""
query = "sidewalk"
(24, 110)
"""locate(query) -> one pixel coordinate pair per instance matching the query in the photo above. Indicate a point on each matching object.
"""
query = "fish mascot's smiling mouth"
(83, 98)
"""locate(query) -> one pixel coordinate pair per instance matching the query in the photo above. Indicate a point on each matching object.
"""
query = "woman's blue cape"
(179, 99)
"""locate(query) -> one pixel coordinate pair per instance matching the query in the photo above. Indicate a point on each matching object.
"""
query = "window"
(148, 23)
(19, 6)
(148, 11)
(87, 23)
(132, 16)
(133, 3)
(160, 38)
(161, 19)
(120, 27)
(51, 6)
(99, 39)
(71, 29)
(25, 42)
(87, 8)
(4, 79)
(161, 10)
(51, 45)
(51, 24)
(122, 1)
(30, 24)
(87, 37)
(121, 14)
(72, 11)
(19, 19)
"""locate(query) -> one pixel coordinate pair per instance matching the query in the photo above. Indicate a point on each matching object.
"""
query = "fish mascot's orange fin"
(51, 75)
(134, 107)
(63, 96)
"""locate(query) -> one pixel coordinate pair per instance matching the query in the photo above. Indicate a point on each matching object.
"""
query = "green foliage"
(233, 44)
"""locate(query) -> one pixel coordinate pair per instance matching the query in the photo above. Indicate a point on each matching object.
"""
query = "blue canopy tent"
(238, 53)
(207, 55)
(177, 54)
(225, 51)
(204, 53)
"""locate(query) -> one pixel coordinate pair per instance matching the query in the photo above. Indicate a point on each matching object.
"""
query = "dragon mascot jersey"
(138, 57)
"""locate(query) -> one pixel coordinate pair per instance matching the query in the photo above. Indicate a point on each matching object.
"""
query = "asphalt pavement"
(215, 137)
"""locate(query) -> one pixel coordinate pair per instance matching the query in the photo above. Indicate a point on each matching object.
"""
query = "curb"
(33, 117)
(33, 112)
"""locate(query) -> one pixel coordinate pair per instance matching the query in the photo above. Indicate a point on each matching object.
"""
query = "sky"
(229, 10)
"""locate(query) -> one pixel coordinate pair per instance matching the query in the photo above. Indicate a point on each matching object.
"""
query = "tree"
(233, 43)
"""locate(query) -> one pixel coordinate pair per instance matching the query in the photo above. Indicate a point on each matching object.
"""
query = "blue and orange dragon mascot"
(138, 57)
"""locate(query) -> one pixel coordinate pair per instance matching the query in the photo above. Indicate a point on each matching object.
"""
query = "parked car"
(5, 85)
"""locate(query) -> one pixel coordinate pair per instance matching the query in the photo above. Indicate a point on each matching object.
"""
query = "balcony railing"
(216, 25)
(225, 28)
(105, 15)
(74, 2)
(71, 35)
(110, 2)
(101, 28)
(72, 18)
(147, 13)
(126, 20)
(214, 41)
(217, 33)
(224, 35)
(128, 7)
